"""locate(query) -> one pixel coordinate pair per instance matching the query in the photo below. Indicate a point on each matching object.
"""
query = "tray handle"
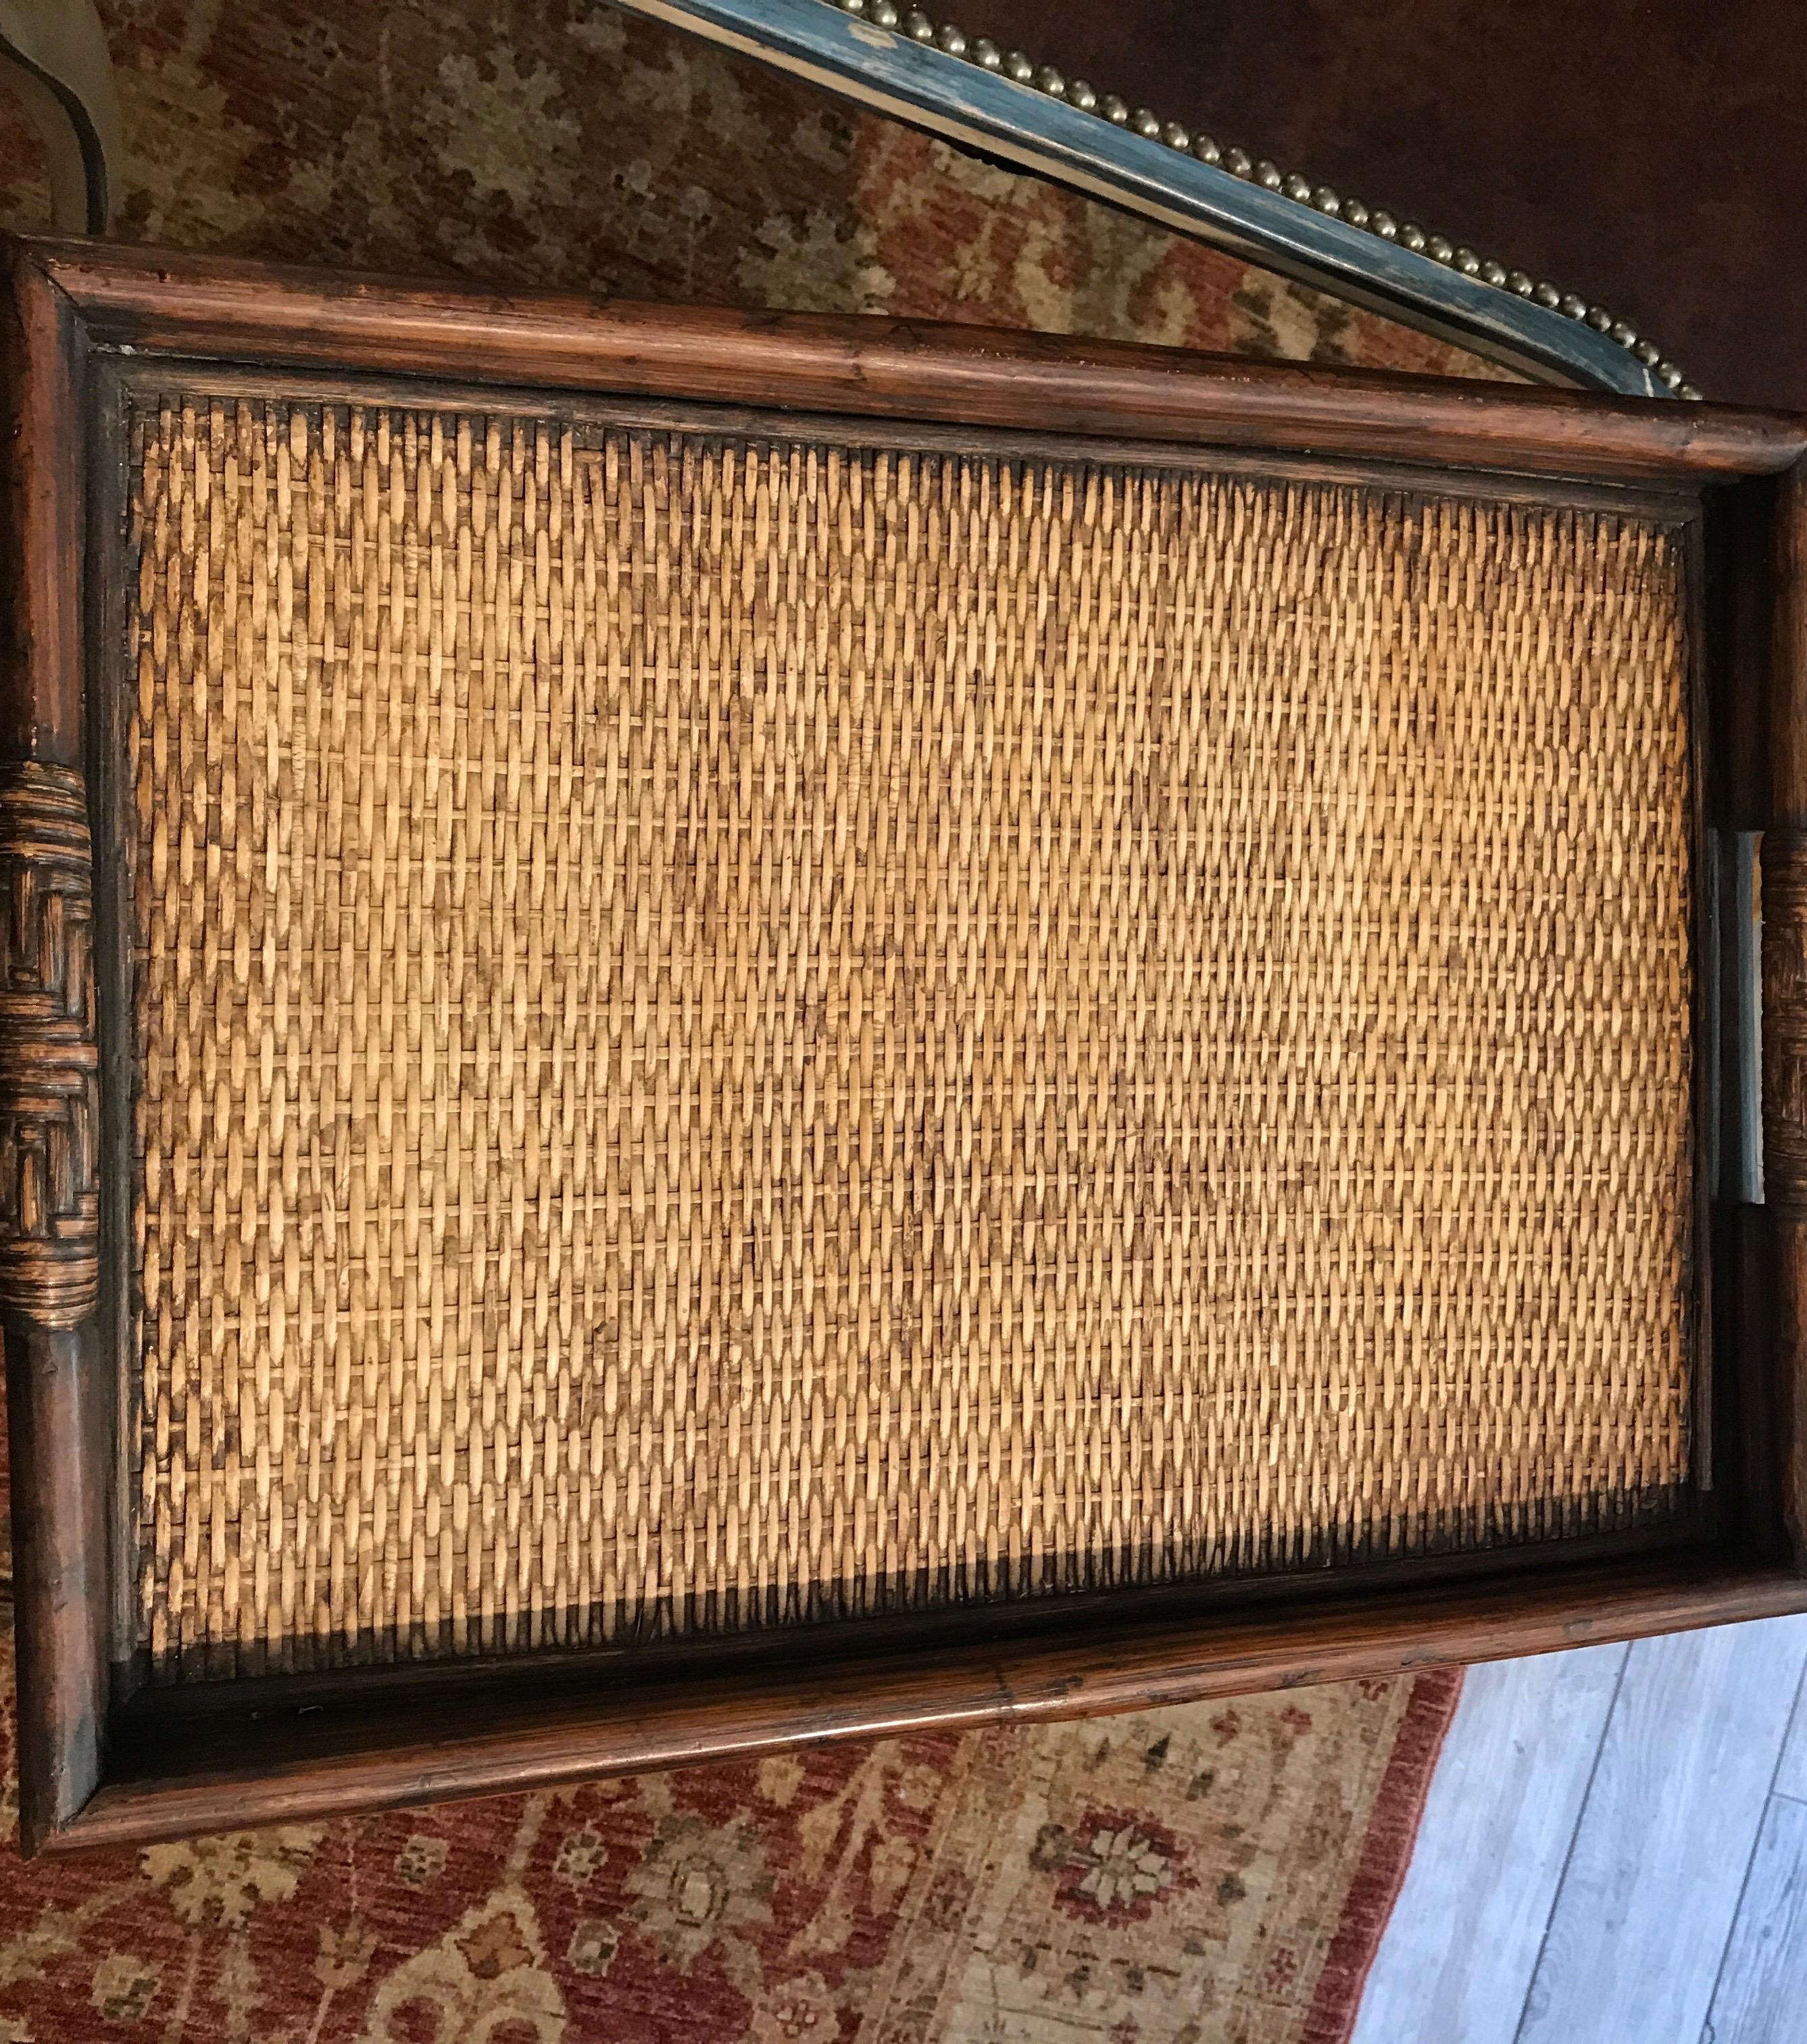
(49, 1051)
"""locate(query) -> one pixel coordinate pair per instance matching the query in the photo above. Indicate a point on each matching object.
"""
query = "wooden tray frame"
(105, 1757)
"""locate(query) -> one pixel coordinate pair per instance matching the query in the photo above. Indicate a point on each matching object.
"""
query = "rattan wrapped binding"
(730, 1030)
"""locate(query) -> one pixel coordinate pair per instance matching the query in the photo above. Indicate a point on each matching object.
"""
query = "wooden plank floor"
(1614, 1852)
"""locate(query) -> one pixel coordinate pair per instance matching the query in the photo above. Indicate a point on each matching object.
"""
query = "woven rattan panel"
(729, 1030)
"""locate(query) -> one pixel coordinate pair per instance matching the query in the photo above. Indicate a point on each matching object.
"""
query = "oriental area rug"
(1214, 1874)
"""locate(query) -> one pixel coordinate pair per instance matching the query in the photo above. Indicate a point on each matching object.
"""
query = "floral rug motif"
(1217, 1874)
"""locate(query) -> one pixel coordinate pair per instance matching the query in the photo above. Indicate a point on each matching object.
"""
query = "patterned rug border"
(1386, 1854)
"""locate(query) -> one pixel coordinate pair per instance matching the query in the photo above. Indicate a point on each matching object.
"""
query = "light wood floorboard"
(1614, 1852)
(1791, 1777)
(1761, 1997)
(1501, 1815)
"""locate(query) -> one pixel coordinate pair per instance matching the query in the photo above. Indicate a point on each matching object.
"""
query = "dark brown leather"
(1651, 155)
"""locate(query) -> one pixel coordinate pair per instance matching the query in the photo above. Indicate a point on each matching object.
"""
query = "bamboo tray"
(722, 1031)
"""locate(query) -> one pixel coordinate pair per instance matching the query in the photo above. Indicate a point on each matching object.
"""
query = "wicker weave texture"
(733, 1030)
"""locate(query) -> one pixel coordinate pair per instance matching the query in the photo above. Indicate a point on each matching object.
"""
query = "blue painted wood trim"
(886, 71)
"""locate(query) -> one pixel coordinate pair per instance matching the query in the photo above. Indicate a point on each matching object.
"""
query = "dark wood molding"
(273, 1762)
(219, 310)
(59, 1411)
(42, 536)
